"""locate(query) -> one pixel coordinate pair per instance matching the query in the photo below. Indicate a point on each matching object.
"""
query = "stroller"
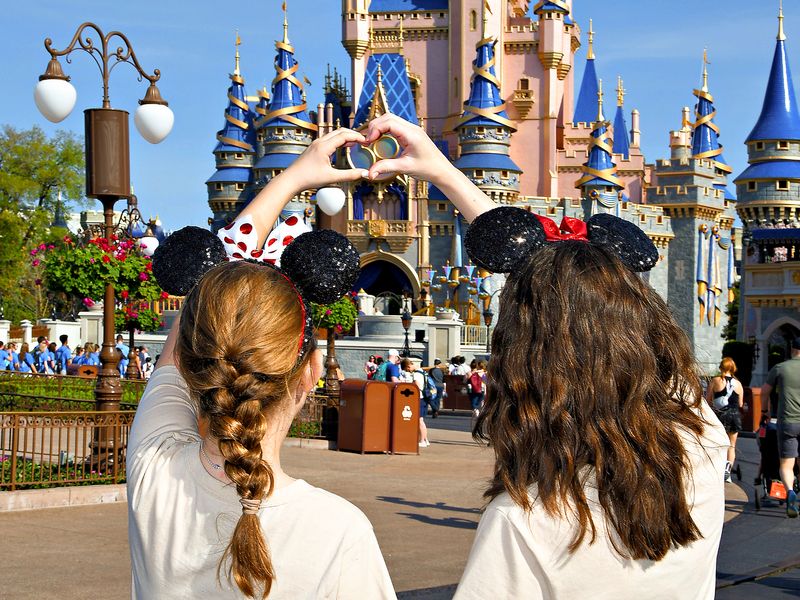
(768, 483)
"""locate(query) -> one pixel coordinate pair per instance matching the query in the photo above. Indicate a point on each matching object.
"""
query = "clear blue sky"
(655, 45)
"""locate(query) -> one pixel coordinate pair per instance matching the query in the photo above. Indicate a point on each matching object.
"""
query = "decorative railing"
(474, 335)
(32, 391)
(48, 449)
(319, 417)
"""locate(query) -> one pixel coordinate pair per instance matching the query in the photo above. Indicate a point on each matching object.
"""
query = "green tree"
(34, 168)
(732, 312)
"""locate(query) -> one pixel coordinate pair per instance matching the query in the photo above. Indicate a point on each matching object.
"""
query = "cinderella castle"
(492, 81)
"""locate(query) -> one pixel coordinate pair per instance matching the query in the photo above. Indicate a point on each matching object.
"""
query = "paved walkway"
(424, 509)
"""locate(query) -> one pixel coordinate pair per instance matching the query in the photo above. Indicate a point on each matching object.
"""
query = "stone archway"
(389, 276)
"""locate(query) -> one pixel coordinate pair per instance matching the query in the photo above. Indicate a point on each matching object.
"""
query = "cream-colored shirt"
(181, 518)
(525, 555)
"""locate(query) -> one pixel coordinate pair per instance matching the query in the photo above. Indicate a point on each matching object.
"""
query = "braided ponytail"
(240, 379)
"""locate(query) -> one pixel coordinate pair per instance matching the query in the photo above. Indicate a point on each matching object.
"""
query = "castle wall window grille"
(752, 186)
(782, 185)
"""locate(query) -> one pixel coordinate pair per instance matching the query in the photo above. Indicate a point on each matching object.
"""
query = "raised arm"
(423, 160)
(312, 169)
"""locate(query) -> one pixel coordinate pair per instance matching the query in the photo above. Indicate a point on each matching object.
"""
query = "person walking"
(437, 374)
(370, 367)
(785, 377)
(476, 385)
(726, 397)
(393, 366)
(13, 356)
(409, 374)
(62, 356)
(606, 477)
(27, 362)
(123, 348)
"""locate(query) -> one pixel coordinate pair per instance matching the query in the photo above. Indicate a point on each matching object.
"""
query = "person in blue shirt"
(79, 357)
(26, 361)
(92, 355)
(123, 363)
(4, 359)
(63, 356)
(13, 357)
(393, 368)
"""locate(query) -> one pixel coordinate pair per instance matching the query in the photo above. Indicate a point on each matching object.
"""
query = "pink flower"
(67, 239)
(339, 328)
(143, 276)
(42, 247)
(124, 294)
(88, 302)
(36, 262)
(164, 295)
(34, 251)
(328, 312)
(106, 259)
(51, 247)
(91, 260)
(38, 282)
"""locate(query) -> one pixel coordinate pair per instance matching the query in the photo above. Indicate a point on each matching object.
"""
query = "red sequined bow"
(570, 229)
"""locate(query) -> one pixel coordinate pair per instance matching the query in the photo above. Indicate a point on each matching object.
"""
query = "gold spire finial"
(620, 91)
(238, 43)
(600, 116)
(379, 77)
(781, 35)
(705, 70)
(285, 24)
(401, 34)
(371, 33)
(487, 10)
(590, 34)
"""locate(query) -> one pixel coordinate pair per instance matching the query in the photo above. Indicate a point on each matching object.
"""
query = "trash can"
(405, 419)
(457, 396)
(364, 415)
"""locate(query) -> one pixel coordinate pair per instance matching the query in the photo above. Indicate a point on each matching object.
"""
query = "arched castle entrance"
(389, 277)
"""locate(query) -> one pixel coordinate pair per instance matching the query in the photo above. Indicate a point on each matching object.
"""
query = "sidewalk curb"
(792, 562)
(62, 496)
(309, 443)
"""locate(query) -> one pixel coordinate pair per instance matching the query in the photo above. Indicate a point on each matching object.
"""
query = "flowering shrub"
(82, 271)
(339, 316)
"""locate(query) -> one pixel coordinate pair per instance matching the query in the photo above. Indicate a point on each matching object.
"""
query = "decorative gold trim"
(550, 60)
(236, 121)
(234, 100)
(236, 143)
(562, 70)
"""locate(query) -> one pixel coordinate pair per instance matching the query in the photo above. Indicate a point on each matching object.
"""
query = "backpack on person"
(429, 385)
(475, 383)
(380, 374)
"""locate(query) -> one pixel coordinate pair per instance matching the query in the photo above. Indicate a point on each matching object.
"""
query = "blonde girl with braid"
(212, 513)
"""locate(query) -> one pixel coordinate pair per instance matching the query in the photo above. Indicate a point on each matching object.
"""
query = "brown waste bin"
(457, 396)
(405, 418)
(364, 415)
(752, 409)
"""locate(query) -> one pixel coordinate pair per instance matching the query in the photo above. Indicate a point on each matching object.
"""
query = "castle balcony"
(399, 235)
(523, 101)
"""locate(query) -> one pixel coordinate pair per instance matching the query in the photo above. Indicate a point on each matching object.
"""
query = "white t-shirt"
(181, 518)
(519, 555)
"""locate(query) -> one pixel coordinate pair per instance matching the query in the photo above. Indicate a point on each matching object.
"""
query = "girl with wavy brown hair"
(212, 513)
(607, 479)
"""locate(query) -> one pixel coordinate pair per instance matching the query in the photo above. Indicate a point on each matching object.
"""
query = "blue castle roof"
(230, 175)
(395, 84)
(705, 133)
(599, 169)
(551, 6)
(407, 5)
(237, 135)
(286, 107)
(773, 169)
(485, 105)
(586, 107)
(779, 118)
(490, 161)
(728, 194)
(277, 160)
(622, 144)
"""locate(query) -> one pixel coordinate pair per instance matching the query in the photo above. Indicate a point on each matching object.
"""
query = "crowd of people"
(49, 358)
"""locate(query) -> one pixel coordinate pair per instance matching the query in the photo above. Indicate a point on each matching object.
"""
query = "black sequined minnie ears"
(501, 239)
(322, 265)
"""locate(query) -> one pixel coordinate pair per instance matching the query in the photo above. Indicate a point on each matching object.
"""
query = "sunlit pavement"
(424, 510)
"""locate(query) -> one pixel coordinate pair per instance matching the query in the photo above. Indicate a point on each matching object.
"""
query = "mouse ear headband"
(321, 266)
(502, 239)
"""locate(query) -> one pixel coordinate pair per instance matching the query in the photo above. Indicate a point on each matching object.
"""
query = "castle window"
(455, 87)
(783, 145)
(524, 83)
(642, 218)
(238, 156)
(441, 15)
(660, 219)
(239, 187)
(473, 20)
(478, 172)
(504, 174)
(782, 185)
(442, 206)
(759, 146)
(387, 16)
(414, 15)
(279, 131)
(427, 15)
(480, 130)
(752, 186)
(298, 131)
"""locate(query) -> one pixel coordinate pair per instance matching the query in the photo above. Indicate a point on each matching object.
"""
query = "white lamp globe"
(154, 121)
(148, 245)
(55, 99)
(330, 200)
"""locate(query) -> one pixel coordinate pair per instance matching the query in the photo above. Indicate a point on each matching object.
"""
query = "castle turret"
(705, 133)
(484, 130)
(621, 142)
(769, 189)
(286, 130)
(228, 187)
(586, 107)
(599, 171)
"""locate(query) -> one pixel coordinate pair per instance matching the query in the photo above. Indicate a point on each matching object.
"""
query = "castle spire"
(705, 133)
(599, 170)
(780, 118)
(485, 105)
(586, 106)
(379, 105)
(705, 70)
(487, 10)
(285, 25)
(238, 42)
(621, 142)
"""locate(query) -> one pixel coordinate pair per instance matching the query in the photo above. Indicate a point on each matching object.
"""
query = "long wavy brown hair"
(237, 350)
(591, 378)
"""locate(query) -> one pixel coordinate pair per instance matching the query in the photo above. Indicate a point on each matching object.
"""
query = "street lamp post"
(107, 158)
(405, 318)
(488, 315)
